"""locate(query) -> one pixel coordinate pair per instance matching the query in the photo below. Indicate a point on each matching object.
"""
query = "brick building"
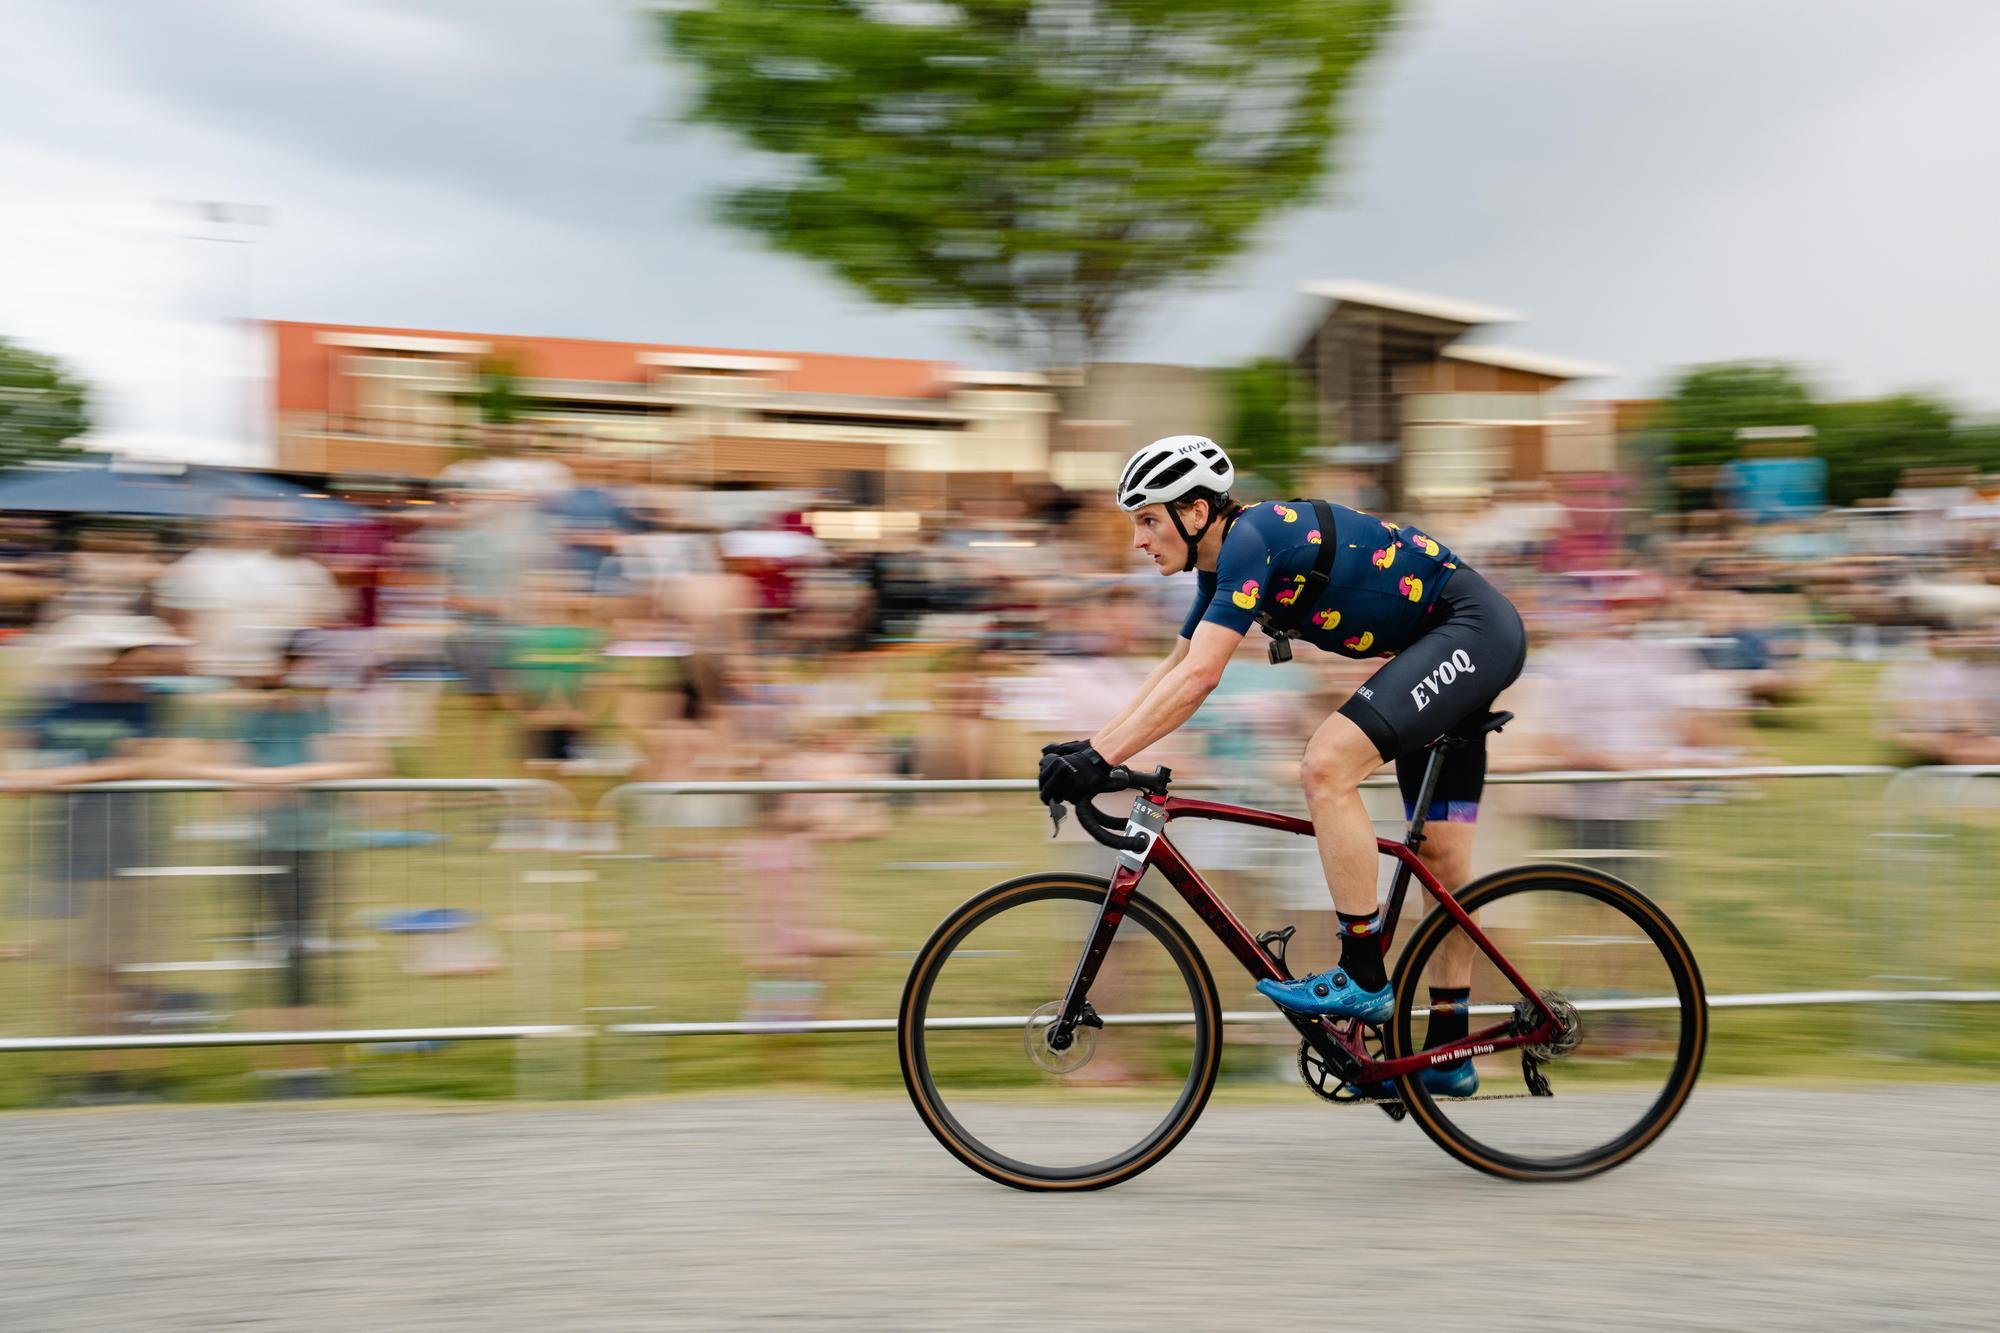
(891, 432)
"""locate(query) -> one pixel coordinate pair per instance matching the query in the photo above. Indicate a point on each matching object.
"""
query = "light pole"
(237, 226)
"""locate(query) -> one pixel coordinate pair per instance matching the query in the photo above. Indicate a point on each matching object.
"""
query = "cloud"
(1656, 181)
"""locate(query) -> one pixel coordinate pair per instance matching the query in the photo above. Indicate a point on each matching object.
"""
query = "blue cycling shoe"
(1445, 1081)
(1331, 994)
(1440, 1081)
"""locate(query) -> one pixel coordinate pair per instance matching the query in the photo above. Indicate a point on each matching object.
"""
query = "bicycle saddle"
(1473, 728)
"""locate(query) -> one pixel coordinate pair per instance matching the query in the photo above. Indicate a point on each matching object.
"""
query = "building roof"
(304, 352)
(1450, 309)
(1534, 363)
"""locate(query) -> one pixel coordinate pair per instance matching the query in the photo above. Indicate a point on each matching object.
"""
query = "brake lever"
(1056, 813)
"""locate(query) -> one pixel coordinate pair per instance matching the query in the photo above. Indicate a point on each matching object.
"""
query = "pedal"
(1274, 942)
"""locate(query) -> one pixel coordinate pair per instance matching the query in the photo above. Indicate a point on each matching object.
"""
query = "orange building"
(408, 401)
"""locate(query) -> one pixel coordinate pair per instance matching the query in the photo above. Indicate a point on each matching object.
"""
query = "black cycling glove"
(1073, 775)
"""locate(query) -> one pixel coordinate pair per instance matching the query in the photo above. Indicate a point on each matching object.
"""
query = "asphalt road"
(1759, 1210)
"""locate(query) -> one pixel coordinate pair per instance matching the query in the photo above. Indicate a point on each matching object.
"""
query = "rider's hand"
(1074, 776)
(1065, 747)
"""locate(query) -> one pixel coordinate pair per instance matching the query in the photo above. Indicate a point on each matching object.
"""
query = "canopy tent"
(195, 492)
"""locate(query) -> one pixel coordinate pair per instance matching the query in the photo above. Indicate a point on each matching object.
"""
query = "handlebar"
(1110, 832)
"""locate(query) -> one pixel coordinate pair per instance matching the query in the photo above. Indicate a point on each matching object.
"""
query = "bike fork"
(1076, 1001)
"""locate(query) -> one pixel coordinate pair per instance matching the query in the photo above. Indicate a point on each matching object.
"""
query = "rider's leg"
(1337, 758)
(1447, 854)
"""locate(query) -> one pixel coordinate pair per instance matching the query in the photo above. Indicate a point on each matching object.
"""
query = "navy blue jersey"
(1383, 582)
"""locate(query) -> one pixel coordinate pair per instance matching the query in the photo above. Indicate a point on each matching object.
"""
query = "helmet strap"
(1193, 542)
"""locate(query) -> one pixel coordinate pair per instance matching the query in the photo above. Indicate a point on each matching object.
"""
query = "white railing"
(560, 1005)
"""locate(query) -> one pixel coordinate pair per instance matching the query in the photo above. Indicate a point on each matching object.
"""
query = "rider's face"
(1153, 532)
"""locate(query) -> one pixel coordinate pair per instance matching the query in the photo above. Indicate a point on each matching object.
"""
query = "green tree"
(1978, 446)
(42, 406)
(498, 396)
(1711, 403)
(1868, 444)
(1040, 164)
(1268, 432)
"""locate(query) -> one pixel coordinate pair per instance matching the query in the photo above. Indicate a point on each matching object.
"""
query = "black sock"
(1449, 1020)
(1361, 951)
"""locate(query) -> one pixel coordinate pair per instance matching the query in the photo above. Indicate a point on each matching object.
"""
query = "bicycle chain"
(1398, 1101)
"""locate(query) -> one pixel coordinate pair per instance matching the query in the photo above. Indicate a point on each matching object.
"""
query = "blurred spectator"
(657, 565)
(550, 660)
(954, 740)
(1944, 707)
(110, 573)
(513, 464)
(105, 726)
(361, 551)
(1756, 643)
(242, 595)
(494, 541)
(791, 939)
(1597, 696)
(29, 569)
(589, 521)
(278, 734)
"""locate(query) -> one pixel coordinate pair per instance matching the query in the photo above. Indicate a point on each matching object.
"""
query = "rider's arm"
(1174, 696)
(1152, 679)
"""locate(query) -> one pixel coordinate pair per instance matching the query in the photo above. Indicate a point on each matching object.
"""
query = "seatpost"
(1421, 815)
(1418, 817)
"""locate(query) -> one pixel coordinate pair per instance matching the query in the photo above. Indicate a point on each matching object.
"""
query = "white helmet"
(1168, 469)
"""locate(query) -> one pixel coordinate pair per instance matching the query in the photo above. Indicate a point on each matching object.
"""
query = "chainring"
(1325, 1084)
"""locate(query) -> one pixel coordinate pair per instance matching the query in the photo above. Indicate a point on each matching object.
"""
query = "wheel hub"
(1073, 1055)
(1569, 1033)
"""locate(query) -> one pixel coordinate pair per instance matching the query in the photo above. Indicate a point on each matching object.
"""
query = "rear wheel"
(1636, 1024)
(974, 1037)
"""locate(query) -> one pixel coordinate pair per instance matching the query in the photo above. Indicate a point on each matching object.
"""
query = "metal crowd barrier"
(457, 915)
(187, 915)
(1831, 853)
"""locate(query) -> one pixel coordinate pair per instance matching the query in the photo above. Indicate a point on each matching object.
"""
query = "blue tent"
(195, 492)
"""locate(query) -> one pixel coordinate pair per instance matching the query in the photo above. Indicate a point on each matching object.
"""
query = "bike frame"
(1338, 1042)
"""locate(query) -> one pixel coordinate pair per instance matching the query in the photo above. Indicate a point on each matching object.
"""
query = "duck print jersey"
(1384, 579)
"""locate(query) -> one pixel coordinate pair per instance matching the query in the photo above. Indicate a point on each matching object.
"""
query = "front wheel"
(1636, 1023)
(973, 1036)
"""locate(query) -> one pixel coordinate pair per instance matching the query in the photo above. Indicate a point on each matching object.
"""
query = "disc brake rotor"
(1083, 1041)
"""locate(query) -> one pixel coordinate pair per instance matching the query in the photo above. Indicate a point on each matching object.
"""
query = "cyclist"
(1347, 583)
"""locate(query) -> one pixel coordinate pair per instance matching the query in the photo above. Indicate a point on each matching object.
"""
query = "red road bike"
(1062, 1031)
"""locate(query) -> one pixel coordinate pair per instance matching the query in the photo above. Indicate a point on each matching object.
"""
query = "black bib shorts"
(1470, 648)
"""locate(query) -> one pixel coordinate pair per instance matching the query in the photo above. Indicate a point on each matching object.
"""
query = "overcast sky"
(1653, 182)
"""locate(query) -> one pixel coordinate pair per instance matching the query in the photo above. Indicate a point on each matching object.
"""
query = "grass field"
(1778, 886)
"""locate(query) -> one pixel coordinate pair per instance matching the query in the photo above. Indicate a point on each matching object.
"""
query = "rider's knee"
(1331, 770)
